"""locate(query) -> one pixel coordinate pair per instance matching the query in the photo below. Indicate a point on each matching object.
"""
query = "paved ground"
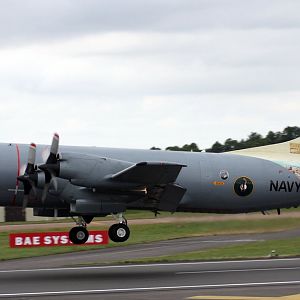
(272, 278)
(49, 278)
(109, 255)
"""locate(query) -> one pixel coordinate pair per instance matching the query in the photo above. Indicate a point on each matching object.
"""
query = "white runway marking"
(238, 270)
(152, 265)
(232, 241)
(159, 288)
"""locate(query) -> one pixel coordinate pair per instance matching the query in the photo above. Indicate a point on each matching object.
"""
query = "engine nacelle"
(89, 170)
(50, 212)
(96, 208)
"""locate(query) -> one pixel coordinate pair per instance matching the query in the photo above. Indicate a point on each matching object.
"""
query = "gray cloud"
(142, 73)
(25, 21)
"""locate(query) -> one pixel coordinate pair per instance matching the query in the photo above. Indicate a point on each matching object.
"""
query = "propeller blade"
(45, 192)
(52, 158)
(32, 154)
(55, 183)
(55, 144)
(51, 167)
(25, 202)
(33, 187)
(28, 183)
(31, 159)
(51, 164)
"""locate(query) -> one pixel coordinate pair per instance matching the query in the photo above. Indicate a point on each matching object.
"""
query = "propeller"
(51, 167)
(29, 177)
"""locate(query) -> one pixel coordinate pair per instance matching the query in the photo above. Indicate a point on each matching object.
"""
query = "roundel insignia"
(243, 186)
(224, 174)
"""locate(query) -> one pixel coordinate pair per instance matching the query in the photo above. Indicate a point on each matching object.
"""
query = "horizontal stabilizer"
(149, 173)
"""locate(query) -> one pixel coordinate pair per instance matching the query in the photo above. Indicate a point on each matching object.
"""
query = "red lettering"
(49, 239)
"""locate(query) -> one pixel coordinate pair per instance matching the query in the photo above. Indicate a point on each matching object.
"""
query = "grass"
(130, 215)
(135, 214)
(157, 232)
(263, 249)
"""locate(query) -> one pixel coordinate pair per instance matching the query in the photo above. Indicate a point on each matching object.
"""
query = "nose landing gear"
(79, 235)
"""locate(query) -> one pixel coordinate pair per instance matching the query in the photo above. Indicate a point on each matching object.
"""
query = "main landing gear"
(118, 233)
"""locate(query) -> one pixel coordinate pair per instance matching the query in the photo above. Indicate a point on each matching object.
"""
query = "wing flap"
(171, 197)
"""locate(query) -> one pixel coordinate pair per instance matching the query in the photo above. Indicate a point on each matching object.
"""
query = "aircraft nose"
(9, 170)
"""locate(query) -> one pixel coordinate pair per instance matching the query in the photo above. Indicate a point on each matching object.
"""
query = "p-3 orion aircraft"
(88, 182)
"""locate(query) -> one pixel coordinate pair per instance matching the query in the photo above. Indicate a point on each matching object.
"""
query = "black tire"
(78, 235)
(119, 233)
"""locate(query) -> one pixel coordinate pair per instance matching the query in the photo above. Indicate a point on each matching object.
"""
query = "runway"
(129, 252)
(63, 277)
(168, 281)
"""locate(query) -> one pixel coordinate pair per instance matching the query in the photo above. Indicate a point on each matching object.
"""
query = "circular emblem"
(224, 174)
(243, 186)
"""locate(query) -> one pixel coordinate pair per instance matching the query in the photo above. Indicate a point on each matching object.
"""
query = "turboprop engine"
(90, 171)
(86, 170)
(33, 178)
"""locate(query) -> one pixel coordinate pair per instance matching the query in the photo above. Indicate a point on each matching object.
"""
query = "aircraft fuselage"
(225, 183)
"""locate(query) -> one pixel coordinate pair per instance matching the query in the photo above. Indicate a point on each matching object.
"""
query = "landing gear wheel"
(119, 233)
(78, 235)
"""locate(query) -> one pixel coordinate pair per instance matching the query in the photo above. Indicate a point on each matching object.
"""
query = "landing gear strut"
(119, 232)
(79, 235)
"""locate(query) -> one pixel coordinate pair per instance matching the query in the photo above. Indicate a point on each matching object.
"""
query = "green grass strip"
(156, 232)
(261, 249)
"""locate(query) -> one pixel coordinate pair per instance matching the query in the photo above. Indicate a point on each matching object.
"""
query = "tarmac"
(253, 278)
(63, 276)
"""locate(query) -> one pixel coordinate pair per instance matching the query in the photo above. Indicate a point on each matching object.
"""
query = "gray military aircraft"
(88, 182)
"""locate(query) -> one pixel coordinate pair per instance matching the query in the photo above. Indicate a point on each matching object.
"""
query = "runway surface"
(272, 278)
(110, 255)
(49, 278)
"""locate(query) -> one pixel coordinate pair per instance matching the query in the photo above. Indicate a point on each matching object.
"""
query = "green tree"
(193, 147)
(173, 148)
(216, 148)
(253, 140)
(290, 133)
(231, 145)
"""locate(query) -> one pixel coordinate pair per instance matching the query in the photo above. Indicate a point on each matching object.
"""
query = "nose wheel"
(119, 233)
(78, 235)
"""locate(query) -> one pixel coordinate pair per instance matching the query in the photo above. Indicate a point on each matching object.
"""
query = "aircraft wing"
(149, 173)
(152, 182)
(159, 180)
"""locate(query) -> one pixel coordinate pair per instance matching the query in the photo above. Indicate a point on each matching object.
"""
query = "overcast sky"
(135, 74)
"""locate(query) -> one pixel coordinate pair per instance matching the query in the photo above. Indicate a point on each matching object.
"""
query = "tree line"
(253, 140)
